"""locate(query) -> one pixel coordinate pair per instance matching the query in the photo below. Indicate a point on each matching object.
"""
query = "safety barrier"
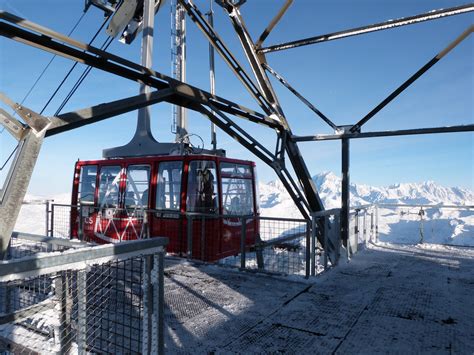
(63, 296)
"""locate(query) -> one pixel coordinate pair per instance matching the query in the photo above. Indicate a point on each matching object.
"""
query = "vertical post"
(345, 198)
(364, 231)
(326, 240)
(147, 289)
(80, 232)
(422, 236)
(51, 223)
(308, 248)
(81, 311)
(158, 286)
(372, 225)
(47, 218)
(376, 223)
(61, 287)
(212, 73)
(243, 237)
(179, 64)
(189, 235)
(313, 245)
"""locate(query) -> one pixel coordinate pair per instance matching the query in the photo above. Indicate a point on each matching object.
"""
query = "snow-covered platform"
(389, 298)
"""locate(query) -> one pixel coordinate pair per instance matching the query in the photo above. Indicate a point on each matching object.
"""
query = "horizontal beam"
(37, 265)
(403, 132)
(62, 242)
(427, 16)
(72, 120)
(48, 40)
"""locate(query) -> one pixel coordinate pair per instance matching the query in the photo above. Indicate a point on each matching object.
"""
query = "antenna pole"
(210, 17)
(178, 54)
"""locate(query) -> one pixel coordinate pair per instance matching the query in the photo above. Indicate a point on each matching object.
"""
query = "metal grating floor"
(402, 299)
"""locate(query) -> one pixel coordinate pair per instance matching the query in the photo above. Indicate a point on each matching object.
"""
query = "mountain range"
(275, 200)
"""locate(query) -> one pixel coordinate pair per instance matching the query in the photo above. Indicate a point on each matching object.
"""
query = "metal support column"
(345, 199)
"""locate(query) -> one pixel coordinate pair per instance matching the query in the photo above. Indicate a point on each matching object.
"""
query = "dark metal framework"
(217, 109)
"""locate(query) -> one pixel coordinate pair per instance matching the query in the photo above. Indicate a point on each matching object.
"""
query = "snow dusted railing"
(91, 299)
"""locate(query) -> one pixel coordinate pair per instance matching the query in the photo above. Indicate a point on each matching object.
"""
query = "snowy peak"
(276, 201)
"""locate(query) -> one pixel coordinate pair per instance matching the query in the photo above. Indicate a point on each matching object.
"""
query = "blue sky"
(345, 79)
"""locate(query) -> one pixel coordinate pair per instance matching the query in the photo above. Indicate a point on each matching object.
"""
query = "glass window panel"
(236, 170)
(237, 196)
(87, 182)
(138, 183)
(168, 193)
(202, 187)
(109, 186)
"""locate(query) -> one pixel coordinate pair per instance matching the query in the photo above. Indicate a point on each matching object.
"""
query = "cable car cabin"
(169, 196)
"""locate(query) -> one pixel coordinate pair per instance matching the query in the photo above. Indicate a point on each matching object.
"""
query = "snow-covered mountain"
(403, 224)
(275, 201)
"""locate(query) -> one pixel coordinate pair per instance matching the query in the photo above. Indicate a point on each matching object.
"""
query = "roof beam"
(403, 132)
(404, 21)
(412, 79)
(105, 61)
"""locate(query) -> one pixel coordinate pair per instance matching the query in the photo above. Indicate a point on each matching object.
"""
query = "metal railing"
(428, 224)
(282, 245)
(62, 296)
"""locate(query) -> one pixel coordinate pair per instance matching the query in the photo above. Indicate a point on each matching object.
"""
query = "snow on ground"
(389, 298)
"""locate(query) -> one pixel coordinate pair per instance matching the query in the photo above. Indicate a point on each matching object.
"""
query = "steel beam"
(256, 61)
(198, 18)
(403, 132)
(427, 16)
(237, 133)
(105, 61)
(72, 120)
(299, 96)
(345, 192)
(273, 23)
(16, 185)
(412, 79)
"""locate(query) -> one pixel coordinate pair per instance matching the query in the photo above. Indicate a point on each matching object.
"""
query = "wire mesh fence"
(100, 299)
(281, 246)
(60, 220)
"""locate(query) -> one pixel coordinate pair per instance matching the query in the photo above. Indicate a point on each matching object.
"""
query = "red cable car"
(169, 196)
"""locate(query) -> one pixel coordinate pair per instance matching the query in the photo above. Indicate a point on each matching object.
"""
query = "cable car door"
(202, 207)
(166, 219)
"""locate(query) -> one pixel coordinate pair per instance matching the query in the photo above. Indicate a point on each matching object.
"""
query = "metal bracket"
(32, 119)
(13, 126)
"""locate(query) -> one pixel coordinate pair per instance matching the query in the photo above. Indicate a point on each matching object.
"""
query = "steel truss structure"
(218, 110)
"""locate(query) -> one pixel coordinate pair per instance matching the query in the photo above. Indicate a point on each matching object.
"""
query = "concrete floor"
(389, 298)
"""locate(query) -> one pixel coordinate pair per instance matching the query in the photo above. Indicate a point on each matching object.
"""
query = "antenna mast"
(178, 62)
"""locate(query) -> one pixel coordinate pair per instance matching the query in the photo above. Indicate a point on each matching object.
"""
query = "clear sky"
(345, 79)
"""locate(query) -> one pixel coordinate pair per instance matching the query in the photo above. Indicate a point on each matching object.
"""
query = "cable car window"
(138, 181)
(202, 187)
(87, 186)
(109, 186)
(236, 170)
(237, 189)
(168, 193)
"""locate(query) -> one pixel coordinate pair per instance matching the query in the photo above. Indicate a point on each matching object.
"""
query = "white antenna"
(178, 62)
(212, 74)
